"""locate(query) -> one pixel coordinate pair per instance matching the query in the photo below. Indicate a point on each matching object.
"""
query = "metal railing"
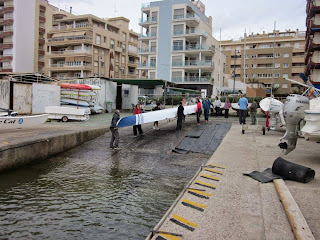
(193, 47)
(61, 39)
(70, 51)
(147, 65)
(188, 16)
(70, 64)
(190, 32)
(147, 50)
(77, 25)
(153, 34)
(148, 20)
(191, 79)
(192, 63)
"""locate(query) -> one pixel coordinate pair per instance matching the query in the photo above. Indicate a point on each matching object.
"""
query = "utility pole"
(234, 70)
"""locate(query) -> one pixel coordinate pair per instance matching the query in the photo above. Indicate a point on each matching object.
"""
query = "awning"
(183, 90)
(57, 35)
(142, 83)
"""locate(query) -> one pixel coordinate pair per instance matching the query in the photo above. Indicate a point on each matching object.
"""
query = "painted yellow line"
(169, 236)
(200, 193)
(212, 170)
(210, 177)
(206, 184)
(217, 166)
(184, 221)
(194, 203)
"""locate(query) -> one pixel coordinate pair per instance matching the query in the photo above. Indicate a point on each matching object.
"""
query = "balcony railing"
(147, 65)
(70, 52)
(77, 25)
(193, 47)
(153, 34)
(192, 63)
(148, 20)
(132, 62)
(147, 50)
(188, 16)
(70, 64)
(61, 39)
(190, 32)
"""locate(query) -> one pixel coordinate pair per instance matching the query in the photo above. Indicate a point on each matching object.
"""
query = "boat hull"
(311, 129)
(22, 122)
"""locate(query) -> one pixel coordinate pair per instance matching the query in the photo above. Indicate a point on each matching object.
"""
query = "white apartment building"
(176, 45)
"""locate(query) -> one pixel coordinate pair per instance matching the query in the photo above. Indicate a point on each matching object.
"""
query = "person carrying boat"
(206, 107)
(184, 103)
(180, 116)
(243, 103)
(156, 123)
(136, 111)
(198, 110)
(253, 111)
(114, 143)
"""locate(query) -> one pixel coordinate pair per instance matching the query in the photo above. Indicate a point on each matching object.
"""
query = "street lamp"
(234, 69)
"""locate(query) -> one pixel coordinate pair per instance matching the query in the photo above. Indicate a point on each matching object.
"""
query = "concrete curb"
(27, 152)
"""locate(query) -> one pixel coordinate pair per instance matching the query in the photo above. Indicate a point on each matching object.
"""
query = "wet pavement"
(93, 192)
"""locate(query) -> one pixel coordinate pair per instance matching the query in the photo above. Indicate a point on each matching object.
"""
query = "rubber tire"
(263, 131)
(64, 119)
(242, 131)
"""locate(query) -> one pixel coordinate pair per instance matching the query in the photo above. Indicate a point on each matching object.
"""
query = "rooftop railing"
(61, 39)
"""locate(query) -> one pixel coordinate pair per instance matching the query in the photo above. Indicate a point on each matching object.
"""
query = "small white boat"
(96, 109)
(74, 102)
(311, 129)
(78, 93)
(235, 106)
(22, 122)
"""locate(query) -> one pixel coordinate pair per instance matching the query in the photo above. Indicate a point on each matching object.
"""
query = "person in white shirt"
(217, 105)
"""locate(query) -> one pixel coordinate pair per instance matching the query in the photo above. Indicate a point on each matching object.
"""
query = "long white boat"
(22, 122)
(154, 116)
(311, 129)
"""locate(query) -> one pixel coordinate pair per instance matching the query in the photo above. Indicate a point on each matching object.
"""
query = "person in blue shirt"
(206, 106)
(243, 103)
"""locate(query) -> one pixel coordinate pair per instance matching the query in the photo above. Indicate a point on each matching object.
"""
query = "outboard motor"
(294, 113)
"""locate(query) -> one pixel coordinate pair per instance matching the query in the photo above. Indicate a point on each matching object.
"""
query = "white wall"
(131, 98)
(44, 95)
(23, 38)
(4, 93)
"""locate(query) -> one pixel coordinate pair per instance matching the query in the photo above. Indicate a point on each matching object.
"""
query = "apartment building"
(267, 58)
(23, 27)
(312, 48)
(86, 46)
(176, 45)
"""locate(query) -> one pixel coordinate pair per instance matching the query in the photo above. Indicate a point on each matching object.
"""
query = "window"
(112, 44)
(102, 64)
(277, 65)
(286, 55)
(285, 75)
(286, 65)
(296, 45)
(98, 39)
(104, 39)
(246, 66)
(102, 52)
(254, 65)
(153, 62)
(253, 75)
(254, 56)
(227, 48)
(123, 59)
(124, 36)
(119, 44)
(277, 75)
(246, 76)
(246, 56)
(177, 45)
(284, 85)
(96, 50)
(95, 64)
(278, 55)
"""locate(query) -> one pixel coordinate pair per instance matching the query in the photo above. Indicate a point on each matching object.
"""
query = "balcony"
(190, 17)
(132, 63)
(7, 9)
(148, 21)
(297, 69)
(59, 40)
(189, 33)
(6, 46)
(193, 64)
(151, 50)
(6, 33)
(6, 57)
(313, 7)
(70, 52)
(147, 65)
(74, 65)
(194, 48)
(77, 25)
(42, 40)
(42, 18)
(148, 36)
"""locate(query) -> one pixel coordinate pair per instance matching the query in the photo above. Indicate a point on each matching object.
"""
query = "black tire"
(242, 131)
(263, 131)
(64, 119)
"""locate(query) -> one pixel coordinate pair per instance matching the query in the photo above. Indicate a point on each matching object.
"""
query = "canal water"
(91, 192)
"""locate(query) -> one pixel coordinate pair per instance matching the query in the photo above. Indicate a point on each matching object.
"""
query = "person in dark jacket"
(156, 123)
(206, 107)
(253, 111)
(114, 143)
(180, 116)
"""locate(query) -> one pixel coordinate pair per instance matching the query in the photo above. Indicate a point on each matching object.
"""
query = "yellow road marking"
(206, 184)
(212, 170)
(169, 236)
(200, 193)
(217, 166)
(194, 203)
(210, 177)
(184, 221)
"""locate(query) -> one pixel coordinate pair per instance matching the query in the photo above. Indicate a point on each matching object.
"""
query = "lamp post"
(234, 69)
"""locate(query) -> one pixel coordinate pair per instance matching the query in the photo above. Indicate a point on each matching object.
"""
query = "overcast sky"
(232, 16)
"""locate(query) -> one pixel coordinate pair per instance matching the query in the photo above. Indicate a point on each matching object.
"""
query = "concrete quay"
(24, 146)
(222, 203)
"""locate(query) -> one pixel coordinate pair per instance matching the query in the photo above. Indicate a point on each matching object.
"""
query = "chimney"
(71, 10)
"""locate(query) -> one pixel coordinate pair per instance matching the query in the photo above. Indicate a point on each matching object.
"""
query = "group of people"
(205, 105)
